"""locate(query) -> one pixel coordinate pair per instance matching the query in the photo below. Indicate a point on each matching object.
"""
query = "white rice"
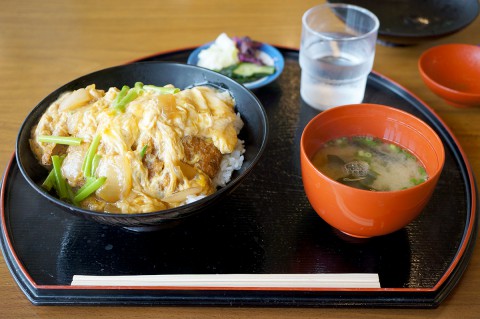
(230, 162)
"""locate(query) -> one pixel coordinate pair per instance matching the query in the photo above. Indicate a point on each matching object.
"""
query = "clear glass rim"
(368, 13)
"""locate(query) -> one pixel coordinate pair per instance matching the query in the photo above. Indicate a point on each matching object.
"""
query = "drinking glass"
(336, 54)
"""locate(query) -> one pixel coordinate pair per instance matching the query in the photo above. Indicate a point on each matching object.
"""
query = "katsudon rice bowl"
(142, 144)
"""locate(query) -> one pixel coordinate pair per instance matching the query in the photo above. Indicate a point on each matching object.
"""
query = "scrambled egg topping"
(158, 151)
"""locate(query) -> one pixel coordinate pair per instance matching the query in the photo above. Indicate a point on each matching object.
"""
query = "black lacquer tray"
(265, 226)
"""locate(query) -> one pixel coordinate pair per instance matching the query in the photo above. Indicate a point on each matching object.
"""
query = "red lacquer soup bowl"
(365, 213)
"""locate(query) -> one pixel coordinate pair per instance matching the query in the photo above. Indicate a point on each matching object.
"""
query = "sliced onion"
(118, 173)
(75, 99)
(181, 196)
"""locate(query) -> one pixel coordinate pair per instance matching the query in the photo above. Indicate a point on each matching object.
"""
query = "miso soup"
(369, 163)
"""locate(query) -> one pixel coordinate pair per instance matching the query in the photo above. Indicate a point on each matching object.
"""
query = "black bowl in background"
(254, 133)
(410, 22)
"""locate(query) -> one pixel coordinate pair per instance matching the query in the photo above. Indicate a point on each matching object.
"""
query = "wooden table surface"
(44, 44)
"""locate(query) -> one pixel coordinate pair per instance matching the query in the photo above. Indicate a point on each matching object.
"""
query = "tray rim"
(468, 238)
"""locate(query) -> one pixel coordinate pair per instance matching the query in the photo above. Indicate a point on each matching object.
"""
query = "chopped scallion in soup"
(369, 163)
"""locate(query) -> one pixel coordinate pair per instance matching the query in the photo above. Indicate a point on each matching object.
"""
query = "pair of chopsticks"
(350, 280)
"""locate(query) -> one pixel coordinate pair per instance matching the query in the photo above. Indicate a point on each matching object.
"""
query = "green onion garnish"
(66, 140)
(89, 189)
(95, 162)
(49, 182)
(131, 95)
(92, 150)
(88, 181)
(127, 94)
(71, 194)
(120, 95)
(162, 89)
(143, 151)
(422, 171)
(60, 182)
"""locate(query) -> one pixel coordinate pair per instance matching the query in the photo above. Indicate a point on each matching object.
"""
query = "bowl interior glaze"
(452, 71)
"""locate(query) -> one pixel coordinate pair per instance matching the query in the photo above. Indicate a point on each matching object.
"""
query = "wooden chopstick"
(350, 280)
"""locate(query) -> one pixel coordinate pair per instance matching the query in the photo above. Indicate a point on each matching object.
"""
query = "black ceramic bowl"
(254, 133)
(409, 22)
